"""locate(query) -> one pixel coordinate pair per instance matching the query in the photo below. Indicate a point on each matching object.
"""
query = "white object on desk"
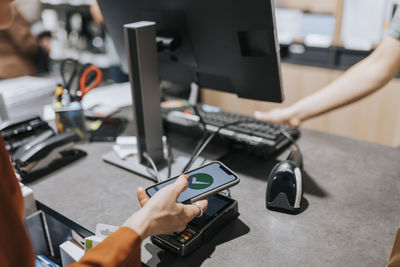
(115, 95)
(70, 252)
(29, 200)
(125, 146)
(20, 90)
(49, 113)
(126, 140)
(124, 151)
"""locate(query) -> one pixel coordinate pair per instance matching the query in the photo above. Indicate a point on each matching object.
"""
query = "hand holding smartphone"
(203, 182)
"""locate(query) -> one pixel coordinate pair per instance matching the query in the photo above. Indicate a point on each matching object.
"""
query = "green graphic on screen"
(199, 181)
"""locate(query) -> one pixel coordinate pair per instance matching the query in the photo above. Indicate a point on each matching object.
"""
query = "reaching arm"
(161, 214)
(121, 248)
(361, 80)
(395, 256)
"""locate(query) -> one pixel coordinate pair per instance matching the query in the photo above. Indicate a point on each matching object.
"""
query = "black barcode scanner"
(285, 186)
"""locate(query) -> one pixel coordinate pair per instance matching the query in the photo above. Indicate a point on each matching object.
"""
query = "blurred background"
(319, 39)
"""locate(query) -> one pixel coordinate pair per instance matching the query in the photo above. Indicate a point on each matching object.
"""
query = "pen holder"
(71, 118)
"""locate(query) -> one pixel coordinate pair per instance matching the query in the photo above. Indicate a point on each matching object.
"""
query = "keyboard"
(252, 132)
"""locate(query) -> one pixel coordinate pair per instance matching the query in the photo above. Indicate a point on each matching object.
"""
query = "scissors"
(86, 80)
(89, 76)
(72, 66)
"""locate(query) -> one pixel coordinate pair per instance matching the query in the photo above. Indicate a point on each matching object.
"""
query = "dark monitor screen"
(225, 45)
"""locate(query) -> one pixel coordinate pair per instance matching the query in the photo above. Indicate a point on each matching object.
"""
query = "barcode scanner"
(284, 189)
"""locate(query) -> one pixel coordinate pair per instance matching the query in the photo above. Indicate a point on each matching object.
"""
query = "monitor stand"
(140, 41)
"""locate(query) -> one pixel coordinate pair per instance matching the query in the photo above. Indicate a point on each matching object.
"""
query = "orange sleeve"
(395, 257)
(121, 248)
(15, 248)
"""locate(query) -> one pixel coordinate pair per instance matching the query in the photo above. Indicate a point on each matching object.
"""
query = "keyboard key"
(265, 135)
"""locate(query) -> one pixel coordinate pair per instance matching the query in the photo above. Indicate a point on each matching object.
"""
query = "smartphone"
(204, 181)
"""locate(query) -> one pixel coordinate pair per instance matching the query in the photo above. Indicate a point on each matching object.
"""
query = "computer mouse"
(285, 185)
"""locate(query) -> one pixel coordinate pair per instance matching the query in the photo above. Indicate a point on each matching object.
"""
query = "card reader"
(221, 211)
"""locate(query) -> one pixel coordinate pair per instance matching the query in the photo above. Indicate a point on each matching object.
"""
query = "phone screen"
(201, 180)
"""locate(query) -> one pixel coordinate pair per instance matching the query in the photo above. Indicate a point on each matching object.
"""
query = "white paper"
(20, 90)
(125, 151)
(115, 95)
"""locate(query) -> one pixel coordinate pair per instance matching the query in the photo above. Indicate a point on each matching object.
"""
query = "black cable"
(75, 64)
(208, 140)
(294, 143)
(202, 140)
(170, 157)
(198, 146)
(289, 137)
(201, 120)
(203, 143)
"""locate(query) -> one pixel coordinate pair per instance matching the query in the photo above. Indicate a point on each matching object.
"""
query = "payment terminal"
(221, 211)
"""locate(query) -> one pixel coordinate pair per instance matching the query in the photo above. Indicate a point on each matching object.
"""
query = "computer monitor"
(225, 45)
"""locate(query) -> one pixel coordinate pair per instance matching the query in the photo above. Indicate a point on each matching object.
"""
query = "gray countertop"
(352, 206)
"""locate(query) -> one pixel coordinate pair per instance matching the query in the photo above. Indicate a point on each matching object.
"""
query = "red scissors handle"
(84, 88)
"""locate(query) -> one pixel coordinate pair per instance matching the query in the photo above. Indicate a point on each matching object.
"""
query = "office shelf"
(334, 57)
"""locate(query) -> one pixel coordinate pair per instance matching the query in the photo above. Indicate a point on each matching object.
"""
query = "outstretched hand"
(162, 214)
(279, 115)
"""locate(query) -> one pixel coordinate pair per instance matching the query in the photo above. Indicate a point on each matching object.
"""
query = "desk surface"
(351, 191)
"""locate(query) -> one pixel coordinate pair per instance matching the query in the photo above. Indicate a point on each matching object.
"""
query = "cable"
(202, 140)
(198, 146)
(169, 161)
(153, 165)
(299, 157)
(208, 140)
(226, 192)
(201, 120)
(290, 138)
(75, 65)
(203, 143)
(170, 157)
(196, 154)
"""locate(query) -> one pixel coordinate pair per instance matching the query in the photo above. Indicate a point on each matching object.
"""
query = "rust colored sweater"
(394, 260)
(119, 249)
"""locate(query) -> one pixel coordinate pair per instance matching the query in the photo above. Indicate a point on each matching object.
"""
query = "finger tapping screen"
(200, 181)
